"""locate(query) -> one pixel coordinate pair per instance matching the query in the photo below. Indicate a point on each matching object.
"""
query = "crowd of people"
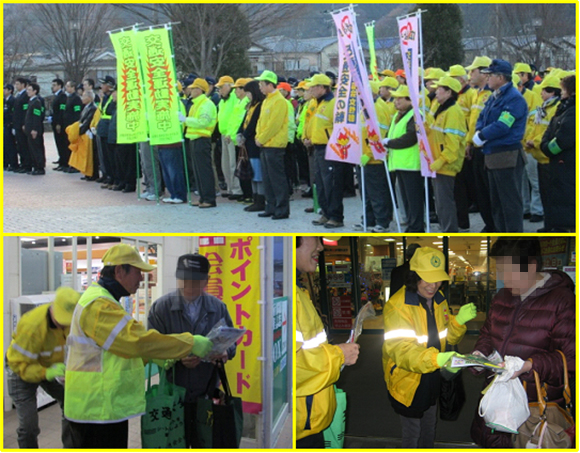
(502, 141)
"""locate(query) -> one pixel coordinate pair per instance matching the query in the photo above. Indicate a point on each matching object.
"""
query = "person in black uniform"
(34, 128)
(58, 108)
(20, 108)
(10, 154)
(106, 155)
(72, 113)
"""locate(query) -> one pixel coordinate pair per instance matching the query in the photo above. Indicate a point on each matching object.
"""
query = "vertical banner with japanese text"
(345, 143)
(235, 279)
(160, 86)
(409, 38)
(349, 42)
(131, 117)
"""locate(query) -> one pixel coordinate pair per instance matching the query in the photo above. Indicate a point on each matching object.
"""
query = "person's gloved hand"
(364, 159)
(14, 132)
(466, 313)
(477, 140)
(90, 135)
(181, 117)
(437, 164)
(444, 357)
(201, 346)
(385, 141)
(55, 370)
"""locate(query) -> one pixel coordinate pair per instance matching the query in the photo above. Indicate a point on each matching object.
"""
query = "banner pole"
(421, 65)
(427, 215)
(392, 197)
(364, 201)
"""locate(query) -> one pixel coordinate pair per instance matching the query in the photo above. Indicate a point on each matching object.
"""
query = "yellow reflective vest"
(317, 369)
(35, 345)
(272, 127)
(201, 119)
(104, 369)
(405, 353)
(446, 137)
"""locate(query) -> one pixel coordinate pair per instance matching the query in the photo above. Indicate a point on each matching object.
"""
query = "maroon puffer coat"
(531, 329)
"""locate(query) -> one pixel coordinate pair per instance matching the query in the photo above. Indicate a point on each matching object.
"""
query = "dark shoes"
(38, 172)
(265, 214)
(280, 217)
(333, 224)
(207, 205)
(321, 221)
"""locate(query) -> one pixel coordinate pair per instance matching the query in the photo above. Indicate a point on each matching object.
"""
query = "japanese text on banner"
(235, 279)
(160, 86)
(130, 103)
(409, 37)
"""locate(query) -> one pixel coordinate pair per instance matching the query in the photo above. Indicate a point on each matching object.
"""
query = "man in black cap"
(190, 309)
(106, 156)
(499, 132)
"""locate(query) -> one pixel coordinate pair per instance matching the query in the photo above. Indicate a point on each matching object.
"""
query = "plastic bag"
(367, 311)
(222, 336)
(504, 407)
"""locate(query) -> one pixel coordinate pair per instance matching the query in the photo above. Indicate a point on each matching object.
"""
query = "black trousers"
(378, 202)
(302, 161)
(274, 177)
(36, 149)
(330, 184)
(413, 194)
(109, 163)
(100, 435)
(10, 151)
(313, 441)
(481, 180)
(61, 140)
(126, 164)
(23, 151)
(461, 194)
(202, 168)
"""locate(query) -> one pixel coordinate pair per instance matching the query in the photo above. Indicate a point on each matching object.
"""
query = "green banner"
(371, 38)
(160, 86)
(131, 119)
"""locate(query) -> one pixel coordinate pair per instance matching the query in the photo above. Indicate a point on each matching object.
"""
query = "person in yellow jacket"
(106, 346)
(200, 124)
(535, 130)
(318, 363)
(418, 325)
(35, 359)
(225, 111)
(272, 137)
(386, 103)
(446, 135)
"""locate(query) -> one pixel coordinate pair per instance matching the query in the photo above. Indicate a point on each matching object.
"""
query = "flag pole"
(392, 197)
(364, 202)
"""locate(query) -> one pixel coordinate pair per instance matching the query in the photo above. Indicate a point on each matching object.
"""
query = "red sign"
(341, 307)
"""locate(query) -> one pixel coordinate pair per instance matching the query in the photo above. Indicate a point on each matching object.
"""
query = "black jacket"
(34, 116)
(20, 108)
(58, 107)
(249, 133)
(73, 108)
(8, 111)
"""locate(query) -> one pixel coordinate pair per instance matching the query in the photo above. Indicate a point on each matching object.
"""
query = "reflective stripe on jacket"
(447, 139)
(35, 346)
(405, 355)
(322, 120)
(201, 119)
(317, 369)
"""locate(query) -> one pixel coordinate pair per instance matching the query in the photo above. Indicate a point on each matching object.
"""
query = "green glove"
(444, 357)
(364, 159)
(201, 346)
(56, 370)
(163, 364)
(437, 165)
(466, 313)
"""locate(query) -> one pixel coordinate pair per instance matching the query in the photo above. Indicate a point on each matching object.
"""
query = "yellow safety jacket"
(104, 368)
(536, 128)
(322, 121)
(35, 345)
(405, 353)
(201, 119)
(317, 369)
(272, 127)
(385, 113)
(465, 101)
(103, 110)
(225, 111)
(447, 139)
(481, 97)
(307, 127)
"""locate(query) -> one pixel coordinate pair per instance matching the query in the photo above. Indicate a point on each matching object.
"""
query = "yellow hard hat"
(125, 254)
(479, 62)
(64, 304)
(429, 263)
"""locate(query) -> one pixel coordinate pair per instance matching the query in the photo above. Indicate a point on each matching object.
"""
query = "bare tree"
(265, 19)
(18, 47)
(75, 31)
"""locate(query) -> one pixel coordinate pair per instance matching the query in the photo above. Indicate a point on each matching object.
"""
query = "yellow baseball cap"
(429, 263)
(388, 72)
(125, 254)
(479, 62)
(401, 92)
(64, 305)
(319, 79)
(457, 71)
(223, 80)
(448, 82)
(201, 84)
(389, 82)
(522, 67)
(434, 73)
(241, 82)
(551, 81)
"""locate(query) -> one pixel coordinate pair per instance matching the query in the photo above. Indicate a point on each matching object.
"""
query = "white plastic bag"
(504, 407)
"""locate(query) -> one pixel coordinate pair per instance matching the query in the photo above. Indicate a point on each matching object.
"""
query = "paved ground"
(60, 202)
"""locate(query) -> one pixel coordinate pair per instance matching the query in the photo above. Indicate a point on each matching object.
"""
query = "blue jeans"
(23, 395)
(171, 160)
(532, 200)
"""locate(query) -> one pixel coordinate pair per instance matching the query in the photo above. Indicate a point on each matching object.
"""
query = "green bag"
(163, 424)
(219, 416)
(334, 434)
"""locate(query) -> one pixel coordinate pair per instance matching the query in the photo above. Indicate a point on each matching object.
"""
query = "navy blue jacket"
(502, 121)
(167, 315)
